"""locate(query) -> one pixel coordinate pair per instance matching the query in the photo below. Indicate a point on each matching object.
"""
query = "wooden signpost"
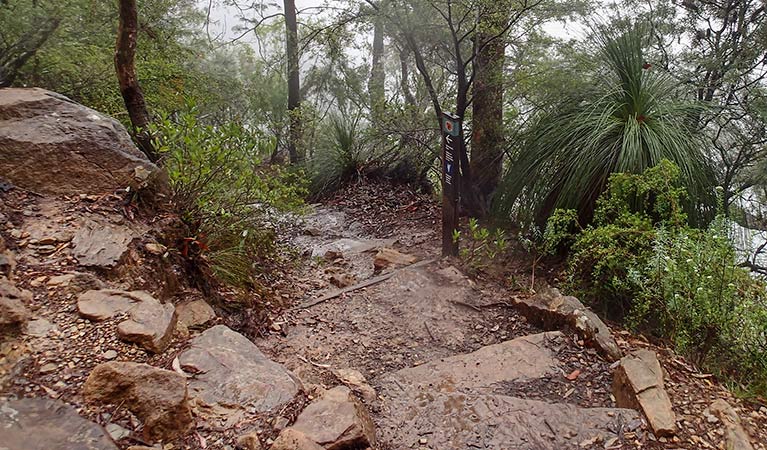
(452, 146)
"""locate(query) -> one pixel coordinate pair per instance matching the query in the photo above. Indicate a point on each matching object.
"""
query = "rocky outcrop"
(552, 311)
(232, 375)
(459, 402)
(46, 424)
(337, 421)
(157, 397)
(149, 324)
(52, 145)
(638, 384)
(735, 436)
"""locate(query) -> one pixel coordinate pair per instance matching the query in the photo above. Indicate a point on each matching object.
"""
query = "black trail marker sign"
(452, 146)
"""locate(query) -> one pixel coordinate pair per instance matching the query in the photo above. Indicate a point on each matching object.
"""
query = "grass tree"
(630, 118)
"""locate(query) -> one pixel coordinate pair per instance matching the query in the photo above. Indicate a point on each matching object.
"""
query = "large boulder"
(46, 424)
(232, 375)
(156, 396)
(52, 145)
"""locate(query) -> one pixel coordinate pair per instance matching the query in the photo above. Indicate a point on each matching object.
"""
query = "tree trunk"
(377, 82)
(294, 86)
(125, 67)
(487, 139)
(20, 52)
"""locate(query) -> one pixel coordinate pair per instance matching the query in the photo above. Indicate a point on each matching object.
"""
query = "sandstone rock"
(106, 303)
(249, 441)
(291, 439)
(357, 382)
(638, 384)
(149, 324)
(46, 424)
(552, 310)
(155, 248)
(736, 437)
(388, 257)
(157, 397)
(232, 375)
(195, 313)
(337, 421)
(13, 313)
(101, 245)
(344, 247)
(78, 149)
(76, 282)
(459, 402)
(40, 327)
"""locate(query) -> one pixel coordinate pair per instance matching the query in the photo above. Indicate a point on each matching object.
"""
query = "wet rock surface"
(101, 245)
(46, 424)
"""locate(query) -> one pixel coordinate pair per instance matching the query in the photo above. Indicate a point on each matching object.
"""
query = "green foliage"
(482, 246)
(339, 156)
(628, 120)
(224, 194)
(640, 262)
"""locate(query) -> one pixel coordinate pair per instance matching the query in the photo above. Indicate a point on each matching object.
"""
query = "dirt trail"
(448, 371)
(438, 359)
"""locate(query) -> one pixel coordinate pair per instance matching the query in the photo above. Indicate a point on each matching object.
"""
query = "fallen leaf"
(573, 375)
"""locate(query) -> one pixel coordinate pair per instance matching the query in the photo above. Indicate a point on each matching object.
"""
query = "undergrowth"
(225, 195)
(640, 263)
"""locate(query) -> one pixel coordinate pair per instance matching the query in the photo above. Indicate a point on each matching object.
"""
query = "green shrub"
(482, 246)
(641, 263)
(225, 194)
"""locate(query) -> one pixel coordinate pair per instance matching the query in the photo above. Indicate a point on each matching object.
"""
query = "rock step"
(453, 403)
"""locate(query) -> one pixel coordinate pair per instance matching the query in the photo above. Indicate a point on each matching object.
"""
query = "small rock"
(155, 248)
(291, 439)
(195, 313)
(156, 396)
(109, 354)
(638, 384)
(337, 421)
(736, 437)
(116, 431)
(388, 257)
(7, 264)
(13, 313)
(249, 441)
(48, 368)
(40, 327)
(357, 382)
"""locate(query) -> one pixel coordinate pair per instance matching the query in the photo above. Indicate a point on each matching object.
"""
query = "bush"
(639, 262)
(225, 194)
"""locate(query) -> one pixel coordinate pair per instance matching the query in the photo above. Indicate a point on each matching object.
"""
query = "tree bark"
(294, 86)
(487, 139)
(377, 82)
(20, 52)
(125, 54)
